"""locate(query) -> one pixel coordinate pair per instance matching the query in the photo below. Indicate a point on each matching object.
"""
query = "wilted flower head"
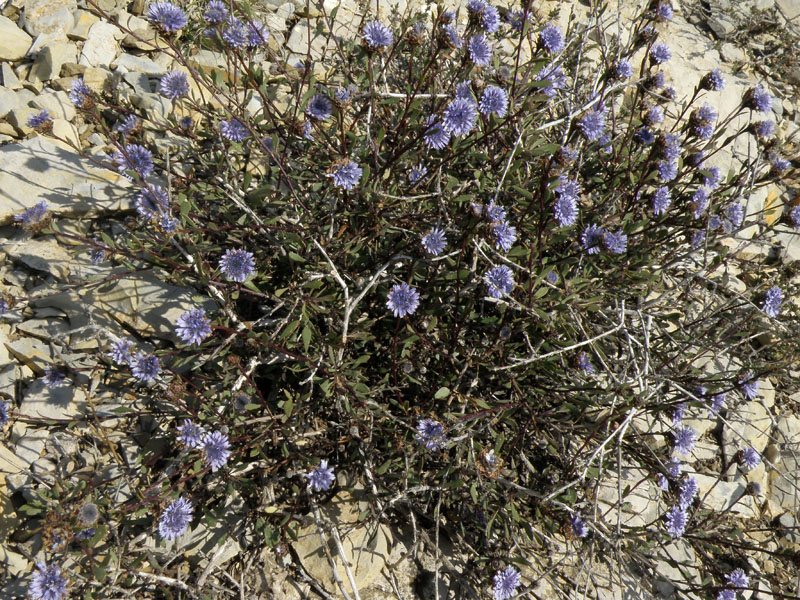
(773, 300)
(319, 108)
(53, 377)
(174, 85)
(345, 173)
(321, 478)
(88, 513)
(676, 520)
(40, 121)
(175, 519)
(216, 449)
(591, 238)
(506, 583)
(579, 528)
(434, 241)
(480, 50)
(685, 439)
(377, 36)
(167, 16)
(499, 281)
(654, 116)
(584, 363)
(749, 458)
(551, 38)
(237, 265)
(750, 386)
(430, 434)
(193, 326)
(48, 583)
(145, 367)
(80, 94)
(402, 300)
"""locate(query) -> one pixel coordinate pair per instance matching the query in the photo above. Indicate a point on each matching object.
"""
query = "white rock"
(8, 102)
(10, 79)
(39, 254)
(49, 17)
(784, 470)
(50, 60)
(37, 169)
(639, 507)
(790, 9)
(65, 130)
(83, 22)
(57, 104)
(731, 53)
(14, 42)
(101, 47)
(721, 495)
(139, 64)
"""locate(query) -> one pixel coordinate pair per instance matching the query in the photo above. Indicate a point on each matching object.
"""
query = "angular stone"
(49, 17)
(10, 79)
(732, 53)
(57, 104)
(37, 169)
(66, 131)
(83, 22)
(18, 118)
(639, 507)
(721, 495)
(50, 60)
(139, 81)
(39, 254)
(101, 47)
(8, 101)
(42, 402)
(784, 473)
(98, 79)
(139, 64)
(790, 9)
(14, 42)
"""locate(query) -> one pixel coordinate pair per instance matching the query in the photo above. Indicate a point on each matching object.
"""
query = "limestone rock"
(50, 60)
(14, 42)
(8, 101)
(83, 22)
(39, 254)
(37, 170)
(65, 130)
(721, 495)
(42, 402)
(790, 9)
(101, 47)
(57, 104)
(784, 489)
(636, 509)
(10, 79)
(731, 53)
(49, 17)
(139, 64)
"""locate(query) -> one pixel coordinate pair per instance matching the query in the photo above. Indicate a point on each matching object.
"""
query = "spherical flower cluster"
(402, 300)
(377, 36)
(417, 172)
(459, 117)
(321, 478)
(713, 81)
(750, 386)
(167, 16)
(773, 300)
(661, 200)
(3, 412)
(644, 136)
(430, 434)
(345, 173)
(190, 435)
(551, 38)
(667, 170)
(699, 202)
(121, 352)
(716, 404)
(175, 519)
(660, 53)
(494, 101)
(758, 99)
(499, 281)
(555, 78)
(450, 37)
(80, 94)
(764, 129)
(687, 492)
(134, 158)
(566, 205)
(579, 528)
(712, 177)
(216, 449)
(591, 238)
(257, 34)
(495, 212)
(616, 243)
(174, 85)
(736, 214)
(127, 125)
(319, 108)
(584, 363)
(216, 12)
(145, 367)
(48, 583)
(506, 583)
(702, 121)
(504, 235)
(676, 520)
(685, 439)
(235, 33)
(41, 121)
(192, 327)
(664, 11)
(621, 70)
(32, 215)
(54, 378)
(151, 201)
(233, 130)
(654, 116)
(779, 164)
(592, 124)
(436, 136)
(480, 50)
(434, 241)
(237, 265)
(749, 458)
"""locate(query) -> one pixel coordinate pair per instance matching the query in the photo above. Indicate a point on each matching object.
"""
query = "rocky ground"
(76, 308)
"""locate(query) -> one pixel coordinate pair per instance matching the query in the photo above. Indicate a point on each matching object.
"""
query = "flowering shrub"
(426, 254)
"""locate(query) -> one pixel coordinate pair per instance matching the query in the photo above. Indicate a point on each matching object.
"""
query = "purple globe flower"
(48, 583)
(494, 101)
(566, 205)
(667, 170)
(660, 53)
(402, 300)
(676, 520)
(591, 238)
(216, 12)
(121, 352)
(579, 528)
(506, 583)
(504, 235)
(584, 363)
(190, 435)
(430, 434)
(678, 414)
(145, 367)
(257, 34)
(555, 78)
(216, 449)
(737, 579)
(33, 215)
(54, 378)
(621, 70)
(764, 129)
(758, 99)
(167, 223)
(319, 108)
(499, 281)
(480, 50)
(712, 178)
(175, 519)
(151, 202)
(779, 164)
(3, 412)
(716, 404)
(321, 478)
(80, 94)
(685, 439)
(128, 124)
(750, 386)
(713, 81)
(490, 19)
(167, 16)
(551, 38)
(233, 130)
(40, 120)
(644, 136)
(736, 214)
(654, 116)
(459, 117)
(134, 158)
(434, 241)
(495, 212)
(436, 136)
(237, 265)
(450, 37)
(417, 172)
(377, 36)
(345, 174)
(661, 200)
(749, 458)
(592, 124)
(616, 243)
(773, 300)
(699, 202)
(664, 12)
(174, 85)
(688, 492)
(702, 121)
(193, 326)
(235, 33)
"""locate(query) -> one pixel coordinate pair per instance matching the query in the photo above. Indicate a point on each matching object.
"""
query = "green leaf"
(442, 392)
(306, 337)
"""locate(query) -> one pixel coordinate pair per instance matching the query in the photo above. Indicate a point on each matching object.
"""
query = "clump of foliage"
(453, 263)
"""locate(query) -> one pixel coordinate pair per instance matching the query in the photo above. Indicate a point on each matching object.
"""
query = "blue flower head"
(216, 12)
(41, 120)
(167, 16)
(591, 238)
(664, 11)
(321, 478)
(551, 38)
(434, 241)
(750, 386)
(436, 136)
(687, 492)
(237, 265)
(257, 34)
(773, 300)
(175, 519)
(127, 125)
(430, 434)
(592, 124)
(216, 449)
(661, 200)
(480, 50)
(584, 363)
(504, 235)
(506, 583)
(48, 583)
(758, 99)
(377, 36)
(459, 117)
(193, 326)
(32, 216)
(579, 528)
(121, 352)
(134, 158)
(151, 202)
(235, 33)
(319, 108)
(685, 439)
(660, 53)
(190, 435)
(713, 81)
(145, 367)
(676, 520)
(3, 412)
(174, 85)
(80, 94)
(699, 202)
(749, 458)
(233, 130)
(54, 378)
(450, 37)
(494, 100)
(417, 172)
(402, 300)
(621, 70)
(499, 281)
(345, 173)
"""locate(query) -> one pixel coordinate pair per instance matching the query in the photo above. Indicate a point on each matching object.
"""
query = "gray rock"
(49, 17)
(140, 82)
(59, 403)
(38, 169)
(790, 9)
(789, 531)
(101, 47)
(8, 102)
(763, 4)
(139, 64)
(50, 60)
(57, 104)
(14, 42)
(731, 53)
(83, 22)
(784, 475)
(39, 254)
(66, 131)
(721, 24)
(10, 79)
